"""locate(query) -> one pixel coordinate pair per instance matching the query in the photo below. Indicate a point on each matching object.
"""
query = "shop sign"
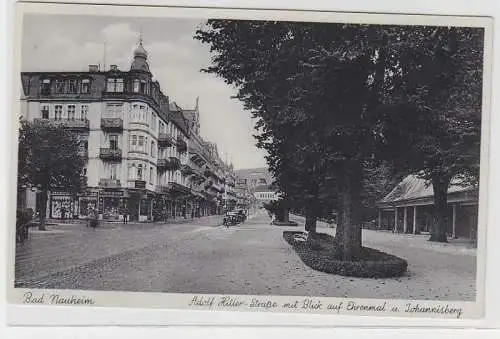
(140, 184)
(111, 194)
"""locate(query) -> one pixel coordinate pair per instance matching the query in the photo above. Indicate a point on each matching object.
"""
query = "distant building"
(408, 209)
(265, 194)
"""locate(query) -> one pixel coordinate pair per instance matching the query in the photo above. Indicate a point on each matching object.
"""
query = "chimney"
(113, 67)
(93, 68)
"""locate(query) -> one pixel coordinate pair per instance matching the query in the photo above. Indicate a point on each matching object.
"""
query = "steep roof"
(414, 188)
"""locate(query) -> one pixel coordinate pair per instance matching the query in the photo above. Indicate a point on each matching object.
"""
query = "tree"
(49, 160)
(436, 106)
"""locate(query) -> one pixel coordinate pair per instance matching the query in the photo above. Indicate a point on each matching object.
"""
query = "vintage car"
(231, 218)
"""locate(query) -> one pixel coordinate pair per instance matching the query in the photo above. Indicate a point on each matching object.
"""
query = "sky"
(71, 43)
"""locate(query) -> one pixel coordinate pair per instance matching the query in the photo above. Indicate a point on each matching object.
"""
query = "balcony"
(181, 144)
(139, 184)
(109, 183)
(178, 188)
(112, 124)
(110, 154)
(165, 140)
(73, 124)
(170, 164)
(186, 169)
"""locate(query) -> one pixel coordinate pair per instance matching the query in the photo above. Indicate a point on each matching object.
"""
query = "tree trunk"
(311, 219)
(350, 241)
(438, 229)
(43, 210)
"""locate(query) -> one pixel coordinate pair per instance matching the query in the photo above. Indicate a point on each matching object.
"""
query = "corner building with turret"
(145, 157)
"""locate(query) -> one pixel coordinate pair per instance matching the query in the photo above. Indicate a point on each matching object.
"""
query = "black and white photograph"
(262, 163)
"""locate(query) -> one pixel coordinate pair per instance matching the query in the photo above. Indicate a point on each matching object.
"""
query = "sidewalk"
(64, 246)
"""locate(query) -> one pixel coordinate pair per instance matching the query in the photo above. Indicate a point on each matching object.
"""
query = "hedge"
(370, 263)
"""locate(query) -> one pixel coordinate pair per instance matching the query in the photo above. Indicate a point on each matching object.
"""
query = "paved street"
(252, 258)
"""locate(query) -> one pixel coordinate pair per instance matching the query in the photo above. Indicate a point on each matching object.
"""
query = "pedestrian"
(63, 213)
(272, 219)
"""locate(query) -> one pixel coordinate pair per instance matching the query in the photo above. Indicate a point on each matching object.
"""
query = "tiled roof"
(412, 187)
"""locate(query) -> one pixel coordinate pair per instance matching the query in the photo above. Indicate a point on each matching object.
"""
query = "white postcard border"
(110, 299)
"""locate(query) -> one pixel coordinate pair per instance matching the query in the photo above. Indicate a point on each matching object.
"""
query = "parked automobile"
(231, 218)
(242, 215)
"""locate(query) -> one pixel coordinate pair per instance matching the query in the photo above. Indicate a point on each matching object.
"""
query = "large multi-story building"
(145, 154)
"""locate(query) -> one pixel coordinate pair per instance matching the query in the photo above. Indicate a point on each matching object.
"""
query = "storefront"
(62, 206)
(111, 205)
(86, 201)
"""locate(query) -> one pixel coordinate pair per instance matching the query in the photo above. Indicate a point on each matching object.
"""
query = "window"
(45, 111)
(145, 148)
(84, 112)
(113, 141)
(136, 86)
(141, 143)
(72, 86)
(150, 175)
(139, 172)
(58, 112)
(133, 142)
(153, 149)
(59, 86)
(114, 110)
(153, 121)
(45, 87)
(142, 113)
(85, 86)
(131, 171)
(142, 88)
(135, 112)
(113, 171)
(114, 85)
(85, 171)
(71, 112)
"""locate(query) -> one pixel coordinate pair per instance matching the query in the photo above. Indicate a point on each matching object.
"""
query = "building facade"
(145, 157)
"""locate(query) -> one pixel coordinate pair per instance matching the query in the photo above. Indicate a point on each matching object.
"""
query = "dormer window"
(45, 87)
(136, 86)
(72, 86)
(115, 85)
(59, 86)
(143, 86)
(85, 86)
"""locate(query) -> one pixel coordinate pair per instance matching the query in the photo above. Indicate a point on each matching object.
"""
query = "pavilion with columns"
(408, 208)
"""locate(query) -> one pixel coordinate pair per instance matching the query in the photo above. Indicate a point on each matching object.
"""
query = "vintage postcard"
(256, 161)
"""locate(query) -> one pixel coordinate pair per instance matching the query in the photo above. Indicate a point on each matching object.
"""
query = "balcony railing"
(186, 169)
(178, 188)
(112, 124)
(110, 154)
(181, 144)
(139, 184)
(74, 124)
(170, 164)
(109, 183)
(165, 140)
